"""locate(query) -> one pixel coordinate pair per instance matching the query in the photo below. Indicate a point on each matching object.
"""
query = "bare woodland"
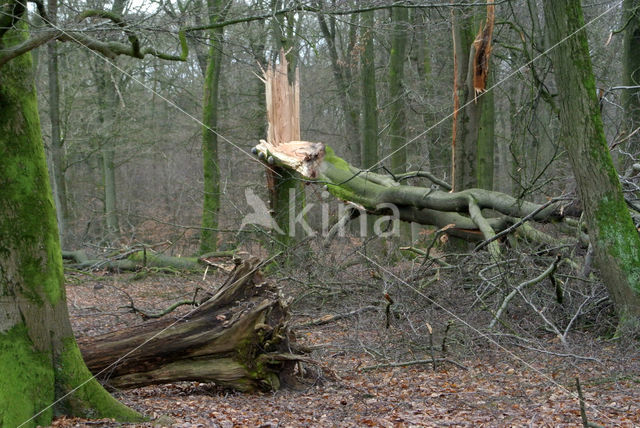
(279, 211)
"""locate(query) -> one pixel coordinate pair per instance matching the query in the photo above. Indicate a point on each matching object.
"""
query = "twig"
(444, 339)
(537, 279)
(544, 351)
(413, 363)
(433, 356)
(583, 413)
(331, 318)
(516, 225)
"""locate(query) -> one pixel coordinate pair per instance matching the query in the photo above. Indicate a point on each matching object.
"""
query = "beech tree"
(472, 148)
(615, 240)
(42, 369)
(210, 161)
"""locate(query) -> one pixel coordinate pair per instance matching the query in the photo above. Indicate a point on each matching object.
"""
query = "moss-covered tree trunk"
(40, 362)
(210, 160)
(612, 233)
(369, 134)
(398, 122)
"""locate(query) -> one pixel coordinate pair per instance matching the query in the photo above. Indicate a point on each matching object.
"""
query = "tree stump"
(238, 338)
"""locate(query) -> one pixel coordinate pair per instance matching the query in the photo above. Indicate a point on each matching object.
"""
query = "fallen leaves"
(493, 392)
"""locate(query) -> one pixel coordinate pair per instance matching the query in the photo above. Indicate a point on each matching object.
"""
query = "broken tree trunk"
(239, 338)
(375, 193)
(140, 259)
(472, 214)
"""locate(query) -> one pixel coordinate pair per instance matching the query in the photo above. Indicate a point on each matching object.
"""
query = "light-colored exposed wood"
(283, 104)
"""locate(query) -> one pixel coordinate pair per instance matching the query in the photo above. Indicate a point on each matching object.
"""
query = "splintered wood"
(283, 104)
(283, 143)
(482, 47)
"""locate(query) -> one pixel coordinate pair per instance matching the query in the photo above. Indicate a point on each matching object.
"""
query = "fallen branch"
(376, 193)
(413, 363)
(583, 412)
(549, 271)
(331, 318)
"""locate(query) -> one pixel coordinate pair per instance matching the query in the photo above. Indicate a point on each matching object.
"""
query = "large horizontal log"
(238, 338)
(425, 205)
(139, 259)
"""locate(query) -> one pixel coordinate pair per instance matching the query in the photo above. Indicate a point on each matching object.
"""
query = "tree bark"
(612, 233)
(39, 357)
(471, 56)
(56, 144)
(398, 123)
(486, 140)
(238, 339)
(210, 159)
(369, 134)
(631, 73)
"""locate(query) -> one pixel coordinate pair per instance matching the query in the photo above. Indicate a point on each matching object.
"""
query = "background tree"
(471, 67)
(631, 74)
(369, 97)
(612, 233)
(216, 11)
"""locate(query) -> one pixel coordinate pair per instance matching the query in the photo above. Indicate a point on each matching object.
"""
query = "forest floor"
(500, 385)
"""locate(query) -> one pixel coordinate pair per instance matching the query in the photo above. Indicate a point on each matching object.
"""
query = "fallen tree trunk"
(376, 193)
(239, 338)
(138, 259)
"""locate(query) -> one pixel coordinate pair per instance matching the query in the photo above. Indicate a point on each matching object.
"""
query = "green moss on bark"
(620, 238)
(26, 383)
(90, 400)
(28, 228)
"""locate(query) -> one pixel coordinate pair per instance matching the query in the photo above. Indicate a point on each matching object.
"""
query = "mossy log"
(239, 338)
(474, 214)
(144, 259)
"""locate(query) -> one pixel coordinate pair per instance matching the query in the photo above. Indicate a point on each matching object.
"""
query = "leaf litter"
(496, 390)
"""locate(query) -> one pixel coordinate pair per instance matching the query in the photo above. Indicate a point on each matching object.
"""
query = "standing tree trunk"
(369, 145)
(210, 160)
(398, 125)
(57, 150)
(106, 117)
(612, 233)
(631, 72)
(486, 140)
(423, 67)
(107, 90)
(471, 66)
(341, 66)
(287, 194)
(39, 359)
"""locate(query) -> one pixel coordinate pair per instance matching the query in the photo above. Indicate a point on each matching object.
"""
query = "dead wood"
(239, 338)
